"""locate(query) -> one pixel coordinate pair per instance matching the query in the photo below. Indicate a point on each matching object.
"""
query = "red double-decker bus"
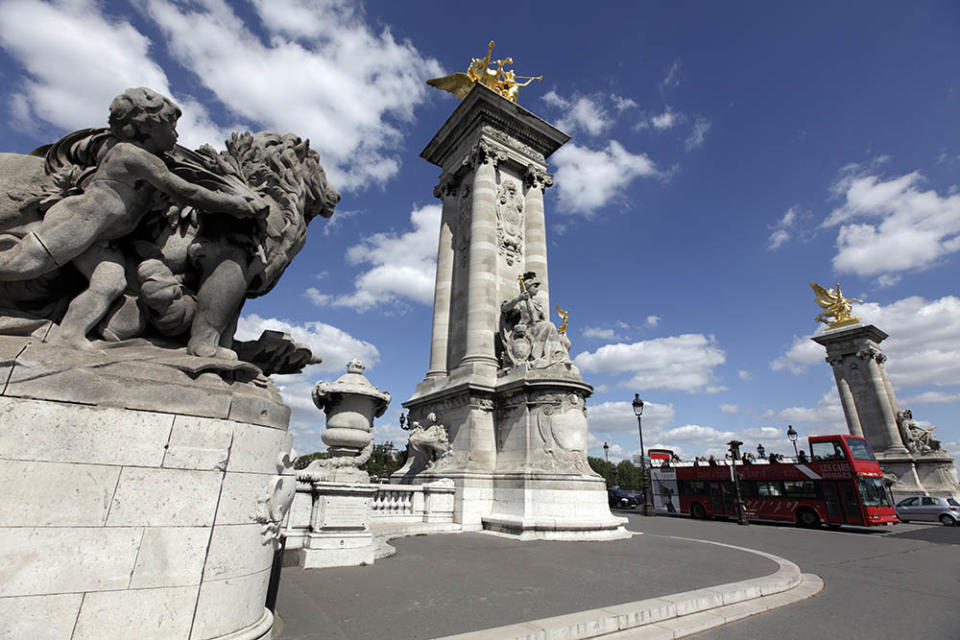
(838, 481)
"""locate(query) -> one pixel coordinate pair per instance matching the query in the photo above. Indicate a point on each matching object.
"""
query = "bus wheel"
(808, 518)
(697, 511)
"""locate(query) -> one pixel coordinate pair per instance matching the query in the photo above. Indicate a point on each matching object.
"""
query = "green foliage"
(384, 460)
(605, 469)
(625, 475)
(303, 461)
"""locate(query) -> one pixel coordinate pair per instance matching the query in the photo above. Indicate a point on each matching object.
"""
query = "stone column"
(888, 430)
(482, 280)
(447, 192)
(846, 397)
(535, 227)
(881, 359)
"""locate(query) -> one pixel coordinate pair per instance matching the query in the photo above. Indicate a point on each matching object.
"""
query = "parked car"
(620, 499)
(929, 509)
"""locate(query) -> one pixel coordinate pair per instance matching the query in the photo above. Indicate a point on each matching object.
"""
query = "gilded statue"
(834, 306)
(504, 82)
(562, 329)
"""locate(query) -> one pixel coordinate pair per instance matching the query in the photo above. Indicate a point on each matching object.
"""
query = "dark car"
(620, 499)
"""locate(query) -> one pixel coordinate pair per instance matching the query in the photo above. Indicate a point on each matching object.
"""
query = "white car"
(929, 509)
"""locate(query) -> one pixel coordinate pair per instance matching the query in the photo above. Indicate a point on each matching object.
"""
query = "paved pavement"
(879, 583)
(889, 583)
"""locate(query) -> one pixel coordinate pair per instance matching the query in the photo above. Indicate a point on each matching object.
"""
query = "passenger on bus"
(712, 461)
(802, 457)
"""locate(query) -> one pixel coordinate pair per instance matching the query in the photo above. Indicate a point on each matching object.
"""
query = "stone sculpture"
(425, 448)
(118, 233)
(917, 439)
(526, 333)
(834, 306)
(350, 404)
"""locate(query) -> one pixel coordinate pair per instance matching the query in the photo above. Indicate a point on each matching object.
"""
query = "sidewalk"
(442, 585)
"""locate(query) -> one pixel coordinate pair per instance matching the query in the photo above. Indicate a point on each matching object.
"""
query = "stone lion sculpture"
(426, 447)
(192, 235)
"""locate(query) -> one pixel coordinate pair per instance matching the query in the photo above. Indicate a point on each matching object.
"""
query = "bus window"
(769, 489)
(859, 449)
(692, 488)
(872, 492)
(800, 489)
(748, 489)
(826, 451)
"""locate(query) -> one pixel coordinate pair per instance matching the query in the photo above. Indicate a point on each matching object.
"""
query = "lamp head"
(637, 404)
(791, 433)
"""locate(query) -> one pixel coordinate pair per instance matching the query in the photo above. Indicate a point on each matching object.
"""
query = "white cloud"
(618, 417)
(582, 113)
(923, 347)
(316, 297)
(622, 104)
(931, 397)
(665, 120)
(782, 228)
(672, 78)
(888, 280)
(888, 226)
(744, 375)
(334, 346)
(697, 134)
(597, 332)
(589, 179)
(684, 362)
(777, 238)
(77, 60)
(652, 321)
(404, 266)
(330, 78)
(729, 408)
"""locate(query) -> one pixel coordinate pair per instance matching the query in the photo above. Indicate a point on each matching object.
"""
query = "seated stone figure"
(526, 334)
(426, 447)
(81, 228)
(147, 239)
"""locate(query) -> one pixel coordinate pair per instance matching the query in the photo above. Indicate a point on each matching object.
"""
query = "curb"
(671, 616)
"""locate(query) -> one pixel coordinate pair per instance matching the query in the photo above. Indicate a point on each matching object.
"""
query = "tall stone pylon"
(500, 380)
(909, 455)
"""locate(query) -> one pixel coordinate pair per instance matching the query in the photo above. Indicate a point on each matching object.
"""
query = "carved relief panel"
(510, 220)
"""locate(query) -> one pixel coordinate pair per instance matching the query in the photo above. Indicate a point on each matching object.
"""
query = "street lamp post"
(792, 434)
(734, 455)
(606, 452)
(648, 508)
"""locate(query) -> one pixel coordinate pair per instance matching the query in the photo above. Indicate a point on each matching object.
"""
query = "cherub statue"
(508, 87)
(82, 228)
(834, 306)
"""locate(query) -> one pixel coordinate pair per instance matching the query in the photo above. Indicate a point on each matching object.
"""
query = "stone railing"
(393, 506)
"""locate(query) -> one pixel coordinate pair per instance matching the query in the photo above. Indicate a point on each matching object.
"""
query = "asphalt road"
(895, 582)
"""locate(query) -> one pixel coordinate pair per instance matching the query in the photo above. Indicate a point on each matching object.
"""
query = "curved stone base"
(933, 475)
(133, 515)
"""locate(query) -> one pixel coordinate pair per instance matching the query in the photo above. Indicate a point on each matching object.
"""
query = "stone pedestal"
(517, 430)
(871, 410)
(339, 526)
(140, 500)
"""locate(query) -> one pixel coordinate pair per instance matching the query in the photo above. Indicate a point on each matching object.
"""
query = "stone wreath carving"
(510, 222)
(274, 504)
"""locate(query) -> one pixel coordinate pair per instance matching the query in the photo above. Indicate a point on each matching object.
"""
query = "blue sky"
(722, 156)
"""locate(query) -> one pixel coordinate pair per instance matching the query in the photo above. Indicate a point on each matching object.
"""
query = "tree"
(629, 476)
(605, 469)
(384, 460)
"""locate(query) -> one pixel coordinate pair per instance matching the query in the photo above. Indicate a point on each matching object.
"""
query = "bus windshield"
(860, 449)
(872, 492)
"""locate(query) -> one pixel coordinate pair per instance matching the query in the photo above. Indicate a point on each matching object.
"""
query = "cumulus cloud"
(403, 266)
(76, 60)
(588, 179)
(660, 121)
(698, 133)
(684, 363)
(618, 417)
(923, 347)
(335, 346)
(580, 113)
(931, 397)
(313, 67)
(782, 230)
(887, 226)
(622, 104)
(671, 80)
(729, 408)
(597, 332)
(652, 321)
(744, 375)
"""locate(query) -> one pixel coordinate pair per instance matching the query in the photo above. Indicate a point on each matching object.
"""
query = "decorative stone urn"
(350, 404)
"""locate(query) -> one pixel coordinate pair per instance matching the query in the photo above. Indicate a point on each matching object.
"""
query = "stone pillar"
(447, 191)
(535, 228)
(482, 284)
(849, 406)
(887, 432)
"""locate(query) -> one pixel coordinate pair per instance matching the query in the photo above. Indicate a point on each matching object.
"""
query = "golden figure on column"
(834, 306)
(479, 72)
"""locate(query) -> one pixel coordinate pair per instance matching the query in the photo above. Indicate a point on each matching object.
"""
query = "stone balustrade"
(392, 507)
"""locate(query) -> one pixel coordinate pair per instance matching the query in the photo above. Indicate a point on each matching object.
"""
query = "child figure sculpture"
(81, 228)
